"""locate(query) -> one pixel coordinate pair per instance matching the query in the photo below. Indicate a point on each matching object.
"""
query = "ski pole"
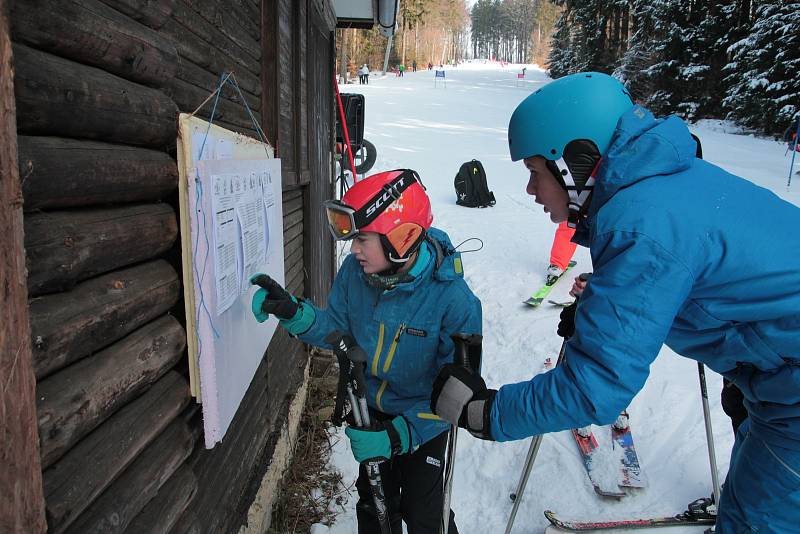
(712, 456)
(536, 442)
(533, 450)
(354, 359)
(794, 150)
(467, 355)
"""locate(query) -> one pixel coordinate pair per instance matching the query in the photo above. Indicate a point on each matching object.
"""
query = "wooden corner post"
(21, 496)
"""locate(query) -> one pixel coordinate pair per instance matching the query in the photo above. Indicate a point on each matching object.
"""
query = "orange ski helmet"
(392, 204)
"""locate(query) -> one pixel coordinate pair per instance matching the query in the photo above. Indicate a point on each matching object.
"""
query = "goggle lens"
(341, 223)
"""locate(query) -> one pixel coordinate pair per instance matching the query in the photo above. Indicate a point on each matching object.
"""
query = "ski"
(700, 512)
(632, 474)
(587, 444)
(561, 304)
(540, 295)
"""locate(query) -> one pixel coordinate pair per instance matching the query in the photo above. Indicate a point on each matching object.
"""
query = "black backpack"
(472, 190)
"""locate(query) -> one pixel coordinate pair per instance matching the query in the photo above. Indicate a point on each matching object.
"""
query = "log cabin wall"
(98, 85)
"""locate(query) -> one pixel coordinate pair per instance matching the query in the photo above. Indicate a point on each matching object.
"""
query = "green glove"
(271, 298)
(377, 444)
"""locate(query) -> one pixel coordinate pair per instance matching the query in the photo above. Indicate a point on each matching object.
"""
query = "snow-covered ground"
(435, 130)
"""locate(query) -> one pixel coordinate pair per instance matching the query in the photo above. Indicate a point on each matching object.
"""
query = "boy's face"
(548, 192)
(369, 252)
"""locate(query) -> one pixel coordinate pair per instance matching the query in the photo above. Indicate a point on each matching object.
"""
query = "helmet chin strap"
(576, 198)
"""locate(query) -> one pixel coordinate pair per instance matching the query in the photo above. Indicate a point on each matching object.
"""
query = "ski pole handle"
(468, 348)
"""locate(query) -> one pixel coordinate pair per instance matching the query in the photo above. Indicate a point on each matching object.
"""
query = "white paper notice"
(225, 240)
(253, 222)
(224, 149)
(266, 188)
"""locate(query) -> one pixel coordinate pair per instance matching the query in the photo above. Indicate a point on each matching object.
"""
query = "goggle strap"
(383, 199)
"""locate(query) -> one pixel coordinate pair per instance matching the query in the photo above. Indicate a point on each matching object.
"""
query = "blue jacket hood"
(642, 146)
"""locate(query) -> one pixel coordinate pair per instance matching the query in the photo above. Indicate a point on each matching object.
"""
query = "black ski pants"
(414, 488)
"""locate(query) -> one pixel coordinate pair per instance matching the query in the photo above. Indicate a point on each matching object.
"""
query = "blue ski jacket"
(405, 331)
(687, 255)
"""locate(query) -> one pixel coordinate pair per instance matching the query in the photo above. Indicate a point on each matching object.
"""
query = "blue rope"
(231, 79)
(198, 204)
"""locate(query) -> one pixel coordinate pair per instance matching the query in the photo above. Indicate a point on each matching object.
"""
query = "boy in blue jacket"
(680, 258)
(401, 294)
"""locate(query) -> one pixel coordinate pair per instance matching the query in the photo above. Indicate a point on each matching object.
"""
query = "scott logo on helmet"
(388, 195)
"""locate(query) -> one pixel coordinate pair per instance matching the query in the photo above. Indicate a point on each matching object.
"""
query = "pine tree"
(763, 74)
(669, 54)
(560, 62)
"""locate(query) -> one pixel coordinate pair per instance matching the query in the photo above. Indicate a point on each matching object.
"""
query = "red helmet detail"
(395, 205)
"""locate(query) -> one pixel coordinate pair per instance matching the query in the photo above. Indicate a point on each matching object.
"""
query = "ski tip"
(533, 303)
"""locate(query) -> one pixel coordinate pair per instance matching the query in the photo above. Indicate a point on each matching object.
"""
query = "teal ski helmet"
(569, 122)
(586, 106)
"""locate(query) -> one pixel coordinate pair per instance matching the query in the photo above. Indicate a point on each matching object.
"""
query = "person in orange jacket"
(561, 252)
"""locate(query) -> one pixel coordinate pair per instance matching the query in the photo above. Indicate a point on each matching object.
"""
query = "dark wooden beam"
(21, 498)
(65, 247)
(92, 33)
(71, 325)
(75, 481)
(56, 96)
(57, 172)
(74, 401)
(270, 86)
(114, 510)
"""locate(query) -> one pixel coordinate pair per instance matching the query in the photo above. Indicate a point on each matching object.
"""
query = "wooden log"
(73, 402)
(252, 12)
(199, 77)
(292, 246)
(56, 96)
(186, 24)
(90, 32)
(292, 205)
(187, 524)
(58, 172)
(230, 21)
(65, 247)
(113, 511)
(238, 47)
(293, 218)
(293, 231)
(149, 13)
(193, 48)
(68, 326)
(75, 481)
(21, 500)
(295, 257)
(187, 97)
(164, 510)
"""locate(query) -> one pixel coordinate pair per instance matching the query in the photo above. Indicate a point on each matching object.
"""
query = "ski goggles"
(341, 220)
(345, 221)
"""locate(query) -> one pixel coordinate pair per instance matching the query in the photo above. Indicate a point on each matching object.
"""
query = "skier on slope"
(561, 252)
(680, 257)
(401, 294)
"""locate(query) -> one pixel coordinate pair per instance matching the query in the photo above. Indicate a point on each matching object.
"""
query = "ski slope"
(435, 130)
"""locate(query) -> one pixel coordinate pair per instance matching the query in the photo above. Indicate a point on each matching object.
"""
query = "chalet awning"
(366, 13)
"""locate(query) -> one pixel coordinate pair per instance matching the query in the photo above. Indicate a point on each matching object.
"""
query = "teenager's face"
(548, 192)
(369, 252)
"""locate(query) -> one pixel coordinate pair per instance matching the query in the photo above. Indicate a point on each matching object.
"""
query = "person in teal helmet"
(680, 258)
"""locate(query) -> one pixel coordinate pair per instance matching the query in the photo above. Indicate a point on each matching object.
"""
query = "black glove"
(272, 299)
(461, 398)
(566, 326)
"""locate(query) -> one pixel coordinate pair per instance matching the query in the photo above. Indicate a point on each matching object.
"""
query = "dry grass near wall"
(310, 493)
